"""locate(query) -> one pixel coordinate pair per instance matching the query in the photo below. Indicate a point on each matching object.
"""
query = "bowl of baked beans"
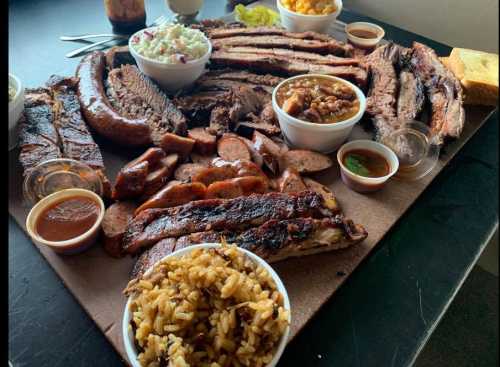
(317, 111)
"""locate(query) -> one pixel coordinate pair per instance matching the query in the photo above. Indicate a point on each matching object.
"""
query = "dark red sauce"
(67, 219)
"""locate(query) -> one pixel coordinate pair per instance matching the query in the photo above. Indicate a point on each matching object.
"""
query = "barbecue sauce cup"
(366, 183)
(364, 35)
(72, 228)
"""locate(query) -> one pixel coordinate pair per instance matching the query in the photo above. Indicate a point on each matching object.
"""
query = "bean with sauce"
(318, 100)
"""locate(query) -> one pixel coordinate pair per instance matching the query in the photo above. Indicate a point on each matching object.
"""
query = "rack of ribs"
(53, 127)
(275, 240)
(153, 225)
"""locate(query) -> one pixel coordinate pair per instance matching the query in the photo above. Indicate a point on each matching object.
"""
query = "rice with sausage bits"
(210, 307)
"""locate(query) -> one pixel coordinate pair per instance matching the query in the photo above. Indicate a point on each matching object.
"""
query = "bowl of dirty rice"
(207, 305)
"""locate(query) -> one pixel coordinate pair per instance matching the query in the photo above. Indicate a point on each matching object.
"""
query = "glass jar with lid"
(126, 16)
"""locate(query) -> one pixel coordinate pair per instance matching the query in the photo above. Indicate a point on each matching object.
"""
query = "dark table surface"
(381, 316)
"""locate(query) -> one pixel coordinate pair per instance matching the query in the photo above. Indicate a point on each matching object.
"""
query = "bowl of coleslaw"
(171, 54)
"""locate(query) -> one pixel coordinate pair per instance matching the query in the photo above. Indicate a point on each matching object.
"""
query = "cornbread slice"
(478, 73)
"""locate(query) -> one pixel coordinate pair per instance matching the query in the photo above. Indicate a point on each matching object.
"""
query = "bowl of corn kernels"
(308, 15)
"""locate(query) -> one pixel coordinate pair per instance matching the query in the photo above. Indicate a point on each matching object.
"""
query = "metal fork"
(161, 19)
(89, 36)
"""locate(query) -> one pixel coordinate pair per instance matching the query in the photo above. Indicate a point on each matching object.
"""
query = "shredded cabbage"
(171, 44)
(257, 16)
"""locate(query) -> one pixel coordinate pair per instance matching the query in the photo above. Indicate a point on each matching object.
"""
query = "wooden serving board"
(97, 280)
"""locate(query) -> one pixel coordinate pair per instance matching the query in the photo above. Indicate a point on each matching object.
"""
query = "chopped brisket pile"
(230, 100)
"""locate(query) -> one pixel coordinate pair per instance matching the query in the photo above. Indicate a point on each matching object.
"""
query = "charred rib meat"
(152, 225)
(274, 240)
(38, 139)
(75, 138)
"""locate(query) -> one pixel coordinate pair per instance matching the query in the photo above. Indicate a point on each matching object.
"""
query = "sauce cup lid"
(416, 150)
(59, 174)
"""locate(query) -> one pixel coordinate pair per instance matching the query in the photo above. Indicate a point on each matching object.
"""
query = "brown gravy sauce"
(67, 219)
(366, 163)
(363, 33)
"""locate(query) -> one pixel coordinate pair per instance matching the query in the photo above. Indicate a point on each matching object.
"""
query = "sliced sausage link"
(231, 148)
(204, 142)
(172, 143)
(174, 195)
(130, 181)
(151, 155)
(186, 171)
(214, 174)
(114, 225)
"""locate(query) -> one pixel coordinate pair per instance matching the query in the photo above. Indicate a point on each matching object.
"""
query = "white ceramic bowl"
(361, 183)
(296, 22)
(128, 337)
(185, 7)
(324, 138)
(74, 245)
(171, 77)
(364, 42)
(16, 107)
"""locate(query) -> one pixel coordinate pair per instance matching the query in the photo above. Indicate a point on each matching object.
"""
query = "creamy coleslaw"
(170, 43)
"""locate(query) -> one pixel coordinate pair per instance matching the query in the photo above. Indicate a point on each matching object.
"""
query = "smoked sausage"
(231, 148)
(204, 142)
(97, 109)
(114, 225)
(174, 195)
(235, 187)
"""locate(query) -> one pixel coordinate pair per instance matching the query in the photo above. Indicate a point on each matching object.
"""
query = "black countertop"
(381, 316)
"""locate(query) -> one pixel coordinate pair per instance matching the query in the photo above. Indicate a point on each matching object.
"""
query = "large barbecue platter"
(97, 280)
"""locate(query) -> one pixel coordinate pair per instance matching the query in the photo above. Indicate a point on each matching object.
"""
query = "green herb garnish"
(356, 164)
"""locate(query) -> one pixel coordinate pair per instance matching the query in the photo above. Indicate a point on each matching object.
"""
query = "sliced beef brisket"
(444, 92)
(136, 96)
(296, 55)
(285, 66)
